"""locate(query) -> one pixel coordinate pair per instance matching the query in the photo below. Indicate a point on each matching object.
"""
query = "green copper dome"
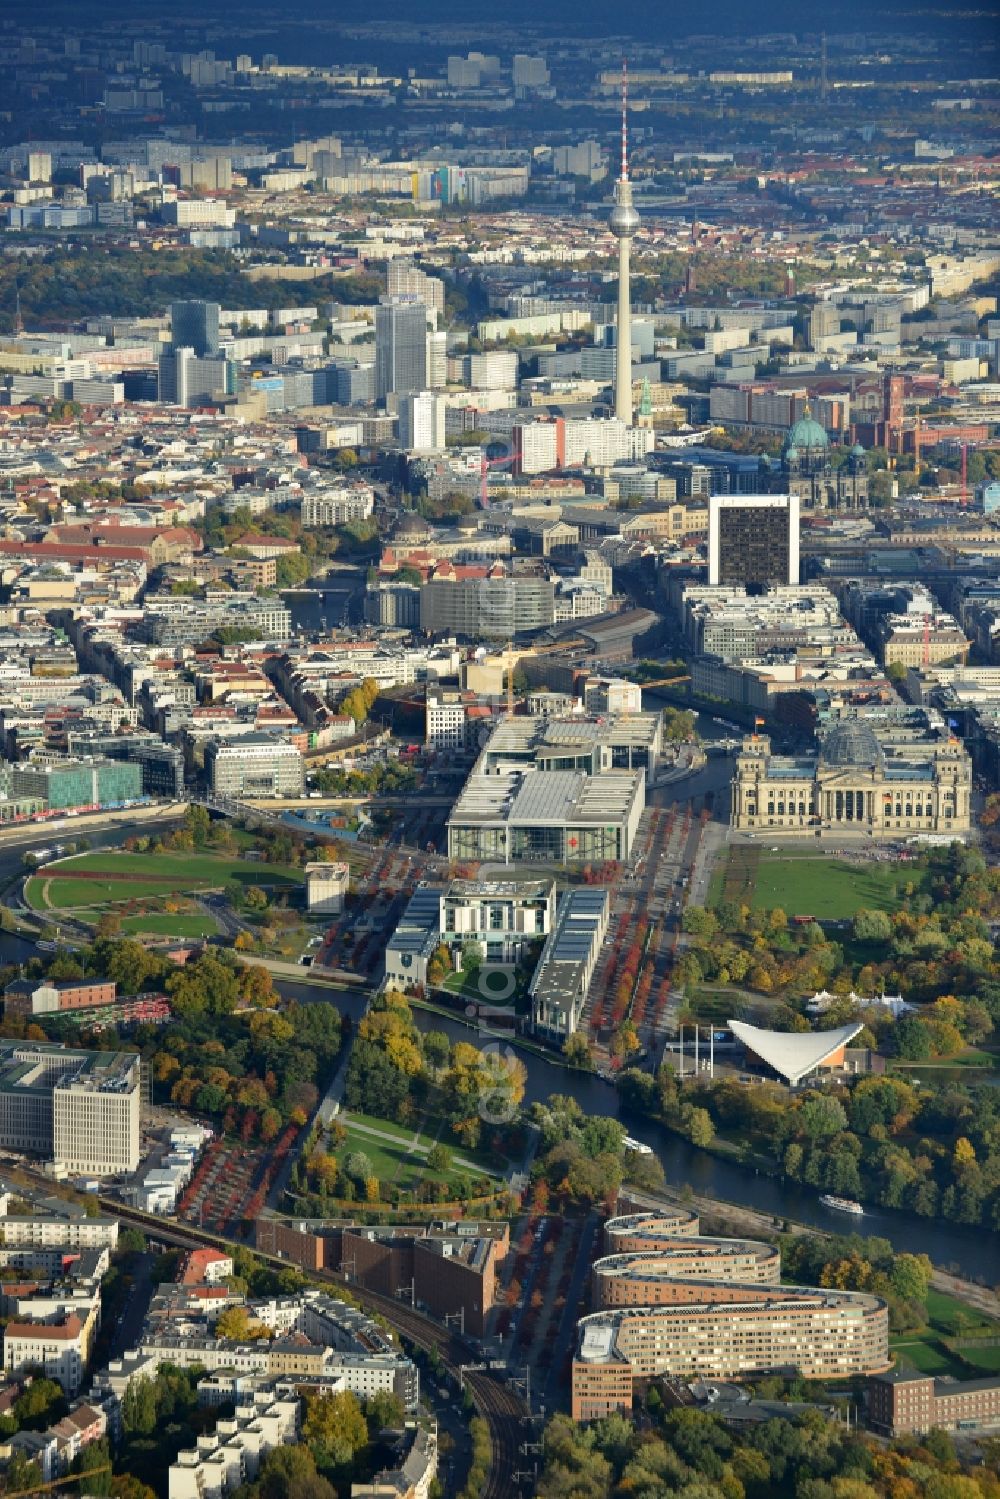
(807, 433)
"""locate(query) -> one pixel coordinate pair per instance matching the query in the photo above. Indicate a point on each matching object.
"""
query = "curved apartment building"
(676, 1305)
(642, 1233)
(678, 1273)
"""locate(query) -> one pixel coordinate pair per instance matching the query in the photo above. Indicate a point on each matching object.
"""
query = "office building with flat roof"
(727, 1332)
(595, 745)
(255, 765)
(496, 607)
(79, 1108)
(561, 982)
(78, 783)
(558, 816)
(326, 887)
(753, 540)
(400, 347)
(668, 1275)
(500, 916)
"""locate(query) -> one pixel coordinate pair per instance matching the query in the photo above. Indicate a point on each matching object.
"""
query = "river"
(968, 1251)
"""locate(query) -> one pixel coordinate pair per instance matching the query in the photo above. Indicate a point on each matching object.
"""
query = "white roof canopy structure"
(793, 1054)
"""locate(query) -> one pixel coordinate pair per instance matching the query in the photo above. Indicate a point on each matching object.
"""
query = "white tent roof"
(792, 1053)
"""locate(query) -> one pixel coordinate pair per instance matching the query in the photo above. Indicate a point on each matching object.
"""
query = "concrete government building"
(860, 782)
(79, 1108)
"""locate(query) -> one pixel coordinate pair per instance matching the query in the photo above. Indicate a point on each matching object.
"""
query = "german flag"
(758, 723)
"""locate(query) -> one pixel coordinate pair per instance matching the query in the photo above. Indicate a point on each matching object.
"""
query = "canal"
(966, 1251)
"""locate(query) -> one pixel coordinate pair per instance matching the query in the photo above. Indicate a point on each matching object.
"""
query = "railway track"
(501, 1408)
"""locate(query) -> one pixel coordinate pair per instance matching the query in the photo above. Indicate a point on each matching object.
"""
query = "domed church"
(807, 470)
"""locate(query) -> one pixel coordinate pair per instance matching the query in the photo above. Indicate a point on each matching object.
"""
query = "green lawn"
(148, 875)
(163, 924)
(64, 894)
(952, 1317)
(805, 885)
(925, 1354)
(948, 1317)
(392, 1160)
(399, 1134)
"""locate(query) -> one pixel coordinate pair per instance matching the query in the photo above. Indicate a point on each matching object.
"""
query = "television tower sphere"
(623, 221)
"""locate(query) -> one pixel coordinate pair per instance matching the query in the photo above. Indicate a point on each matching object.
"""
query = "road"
(130, 1323)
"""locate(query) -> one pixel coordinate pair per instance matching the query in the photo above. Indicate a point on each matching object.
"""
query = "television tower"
(623, 222)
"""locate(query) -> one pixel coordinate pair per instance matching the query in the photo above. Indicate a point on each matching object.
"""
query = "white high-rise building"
(529, 72)
(422, 422)
(437, 360)
(95, 1120)
(404, 279)
(39, 166)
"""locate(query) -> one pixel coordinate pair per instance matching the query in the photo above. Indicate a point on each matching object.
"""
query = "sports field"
(805, 884)
(106, 878)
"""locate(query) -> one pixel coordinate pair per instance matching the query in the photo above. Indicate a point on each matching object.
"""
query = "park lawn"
(492, 986)
(987, 1360)
(62, 895)
(948, 1317)
(926, 1354)
(390, 1156)
(150, 875)
(954, 1318)
(165, 924)
(33, 894)
(830, 889)
(971, 1057)
(715, 886)
(398, 1133)
(202, 868)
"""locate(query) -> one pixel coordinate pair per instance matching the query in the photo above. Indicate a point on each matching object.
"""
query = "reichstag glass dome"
(851, 743)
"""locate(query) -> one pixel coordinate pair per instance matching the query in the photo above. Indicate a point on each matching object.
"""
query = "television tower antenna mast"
(623, 222)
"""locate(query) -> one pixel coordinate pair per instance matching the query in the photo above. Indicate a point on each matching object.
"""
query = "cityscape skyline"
(500, 751)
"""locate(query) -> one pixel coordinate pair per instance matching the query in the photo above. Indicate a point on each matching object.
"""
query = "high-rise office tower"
(421, 422)
(437, 360)
(753, 540)
(195, 325)
(405, 279)
(624, 221)
(400, 347)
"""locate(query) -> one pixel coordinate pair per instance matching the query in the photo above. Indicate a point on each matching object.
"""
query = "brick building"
(903, 1401)
(25, 997)
(451, 1268)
